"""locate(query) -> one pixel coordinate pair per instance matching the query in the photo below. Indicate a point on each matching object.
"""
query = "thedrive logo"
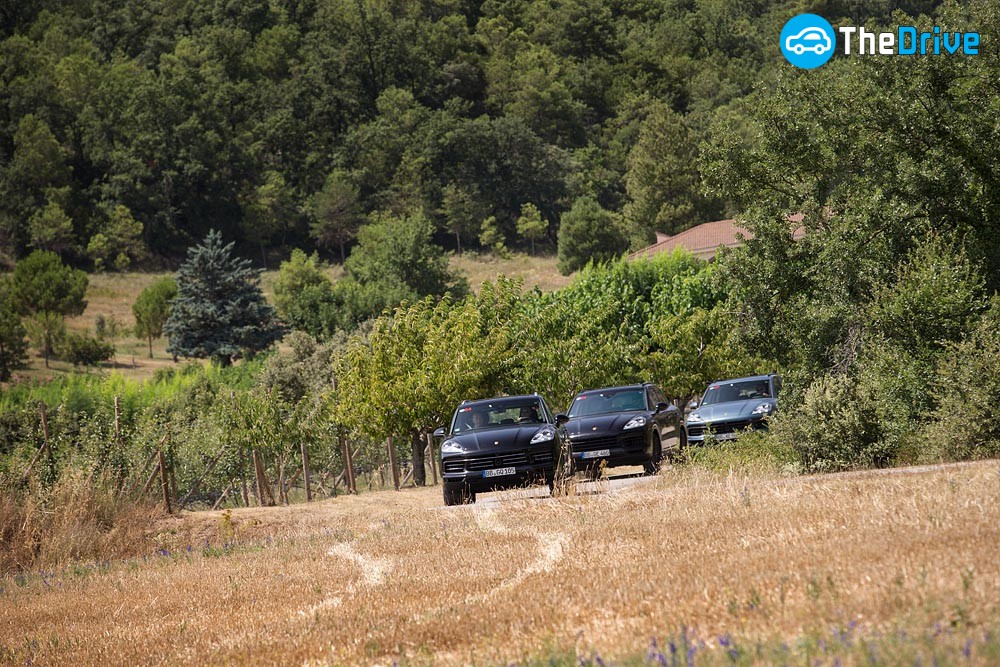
(808, 41)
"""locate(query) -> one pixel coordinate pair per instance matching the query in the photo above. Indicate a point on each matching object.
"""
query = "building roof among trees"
(704, 240)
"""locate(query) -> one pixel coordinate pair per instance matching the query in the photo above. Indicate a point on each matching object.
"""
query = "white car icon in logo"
(811, 39)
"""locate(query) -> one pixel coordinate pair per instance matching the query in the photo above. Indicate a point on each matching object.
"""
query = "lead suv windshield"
(744, 390)
(498, 412)
(602, 402)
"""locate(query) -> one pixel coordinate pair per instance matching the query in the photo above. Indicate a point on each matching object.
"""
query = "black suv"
(501, 443)
(730, 407)
(624, 426)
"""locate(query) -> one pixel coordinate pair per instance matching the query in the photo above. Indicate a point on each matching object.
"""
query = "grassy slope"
(894, 564)
(112, 295)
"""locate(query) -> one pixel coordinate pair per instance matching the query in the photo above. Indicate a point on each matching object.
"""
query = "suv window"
(725, 392)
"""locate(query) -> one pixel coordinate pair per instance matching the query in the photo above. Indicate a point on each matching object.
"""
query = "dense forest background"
(127, 130)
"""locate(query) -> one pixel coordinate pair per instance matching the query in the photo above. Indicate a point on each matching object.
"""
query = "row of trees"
(127, 131)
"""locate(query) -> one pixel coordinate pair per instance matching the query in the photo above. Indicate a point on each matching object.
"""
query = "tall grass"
(76, 518)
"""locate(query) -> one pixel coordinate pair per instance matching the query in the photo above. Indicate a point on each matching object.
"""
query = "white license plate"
(596, 454)
(499, 472)
(727, 436)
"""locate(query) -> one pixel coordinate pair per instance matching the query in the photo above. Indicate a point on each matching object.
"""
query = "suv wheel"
(458, 495)
(652, 466)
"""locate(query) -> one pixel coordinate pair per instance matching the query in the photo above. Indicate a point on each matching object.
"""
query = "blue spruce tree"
(219, 311)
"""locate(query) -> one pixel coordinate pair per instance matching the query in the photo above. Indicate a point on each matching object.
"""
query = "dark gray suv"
(731, 407)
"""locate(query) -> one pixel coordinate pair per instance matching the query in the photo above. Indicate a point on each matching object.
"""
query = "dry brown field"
(890, 568)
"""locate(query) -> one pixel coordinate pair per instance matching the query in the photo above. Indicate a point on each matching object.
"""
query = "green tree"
(13, 346)
(267, 210)
(46, 291)
(152, 310)
(51, 229)
(531, 225)
(587, 233)
(119, 242)
(463, 211)
(492, 237)
(85, 350)
(397, 252)
(219, 311)
(336, 212)
(304, 295)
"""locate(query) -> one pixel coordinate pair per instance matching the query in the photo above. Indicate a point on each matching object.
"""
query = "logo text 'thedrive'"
(907, 41)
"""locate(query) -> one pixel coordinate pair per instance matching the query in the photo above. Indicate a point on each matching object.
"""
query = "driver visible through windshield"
(497, 413)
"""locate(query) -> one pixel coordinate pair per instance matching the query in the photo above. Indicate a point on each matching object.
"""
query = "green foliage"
(588, 233)
(118, 243)
(492, 237)
(152, 310)
(42, 283)
(219, 311)
(531, 225)
(85, 350)
(756, 451)
(50, 228)
(13, 346)
(337, 214)
(395, 260)
(966, 394)
(304, 295)
(834, 428)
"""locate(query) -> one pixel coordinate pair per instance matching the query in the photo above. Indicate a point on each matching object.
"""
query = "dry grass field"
(687, 568)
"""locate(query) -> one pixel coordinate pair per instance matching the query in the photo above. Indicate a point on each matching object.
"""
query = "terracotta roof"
(705, 239)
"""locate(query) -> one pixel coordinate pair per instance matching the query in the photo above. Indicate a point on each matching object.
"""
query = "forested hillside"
(127, 130)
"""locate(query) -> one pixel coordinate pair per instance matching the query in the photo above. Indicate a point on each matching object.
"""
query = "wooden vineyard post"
(118, 422)
(264, 494)
(305, 472)
(164, 481)
(348, 464)
(392, 463)
(433, 460)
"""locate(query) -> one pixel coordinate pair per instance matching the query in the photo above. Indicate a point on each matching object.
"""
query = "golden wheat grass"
(394, 576)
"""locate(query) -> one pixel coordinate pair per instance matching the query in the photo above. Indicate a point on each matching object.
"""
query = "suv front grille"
(631, 441)
(722, 427)
(490, 461)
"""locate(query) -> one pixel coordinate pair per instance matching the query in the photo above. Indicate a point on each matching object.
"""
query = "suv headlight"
(694, 417)
(635, 422)
(451, 447)
(764, 409)
(546, 434)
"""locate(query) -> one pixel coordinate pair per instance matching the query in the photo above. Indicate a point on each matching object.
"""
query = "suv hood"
(611, 422)
(731, 411)
(495, 439)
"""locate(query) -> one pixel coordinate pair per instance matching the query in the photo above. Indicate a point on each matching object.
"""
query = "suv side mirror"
(439, 432)
(662, 407)
(561, 419)
(693, 404)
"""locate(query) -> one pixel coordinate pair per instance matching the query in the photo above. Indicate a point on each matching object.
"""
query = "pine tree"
(219, 311)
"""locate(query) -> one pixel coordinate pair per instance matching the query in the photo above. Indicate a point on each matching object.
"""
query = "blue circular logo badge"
(808, 41)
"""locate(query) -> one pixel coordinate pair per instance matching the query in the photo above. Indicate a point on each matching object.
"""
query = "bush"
(85, 350)
(754, 452)
(587, 233)
(966, 420)
(834, 428)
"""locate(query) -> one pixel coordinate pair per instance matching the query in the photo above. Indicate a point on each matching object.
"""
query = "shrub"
(966, 420)
(587, 233)
(834, 428)
(85, 350)
(754, 452)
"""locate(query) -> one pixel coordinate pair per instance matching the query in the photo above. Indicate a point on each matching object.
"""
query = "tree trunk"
(150, 346)
(458, 242)
(343, 255)
(417, 449)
